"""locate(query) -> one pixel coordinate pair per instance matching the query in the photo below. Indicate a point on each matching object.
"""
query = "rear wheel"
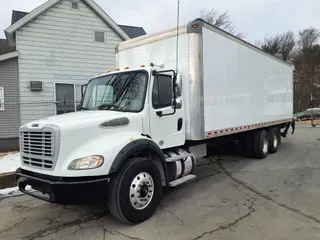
(260, 144)
(135, 192)
(274, 140)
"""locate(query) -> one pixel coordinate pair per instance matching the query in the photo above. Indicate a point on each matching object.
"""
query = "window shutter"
(1, 99)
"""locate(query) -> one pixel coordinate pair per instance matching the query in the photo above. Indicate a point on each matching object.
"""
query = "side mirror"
(83, 89)
(179, 85)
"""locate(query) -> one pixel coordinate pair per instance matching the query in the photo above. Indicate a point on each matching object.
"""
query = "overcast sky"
(253, 18)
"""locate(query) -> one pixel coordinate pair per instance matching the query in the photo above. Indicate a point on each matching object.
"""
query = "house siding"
(58, 47)
(9, 118)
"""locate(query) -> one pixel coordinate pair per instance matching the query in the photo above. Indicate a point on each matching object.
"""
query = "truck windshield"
(118, 92)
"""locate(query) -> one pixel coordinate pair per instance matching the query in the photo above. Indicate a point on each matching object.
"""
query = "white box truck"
(141, 127)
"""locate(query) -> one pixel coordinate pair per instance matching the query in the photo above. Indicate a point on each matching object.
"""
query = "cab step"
(178, 157)
(182, 180)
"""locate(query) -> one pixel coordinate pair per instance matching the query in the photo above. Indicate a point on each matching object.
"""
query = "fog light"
(89, 162)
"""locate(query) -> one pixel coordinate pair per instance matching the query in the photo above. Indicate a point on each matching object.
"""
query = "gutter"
(9, 56)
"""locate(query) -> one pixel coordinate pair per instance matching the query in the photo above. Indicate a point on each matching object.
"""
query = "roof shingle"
(17, 15)
(131, 31)
(5, 48)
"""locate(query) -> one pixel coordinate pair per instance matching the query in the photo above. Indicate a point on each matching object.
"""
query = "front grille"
(39, 148)
(38, 143)
(36, 162)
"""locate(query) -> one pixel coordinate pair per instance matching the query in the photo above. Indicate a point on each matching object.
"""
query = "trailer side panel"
(242, 86)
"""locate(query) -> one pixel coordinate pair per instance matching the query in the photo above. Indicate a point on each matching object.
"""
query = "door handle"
(180, 122)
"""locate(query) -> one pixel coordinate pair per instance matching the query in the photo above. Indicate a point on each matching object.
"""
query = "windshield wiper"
(109, 107)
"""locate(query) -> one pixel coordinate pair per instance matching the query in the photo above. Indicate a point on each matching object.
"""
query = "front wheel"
(135, 192)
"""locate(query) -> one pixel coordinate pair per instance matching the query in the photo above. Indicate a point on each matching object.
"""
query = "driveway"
(232, 198)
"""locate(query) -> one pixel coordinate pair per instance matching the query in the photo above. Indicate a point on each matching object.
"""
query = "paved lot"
(233, 198)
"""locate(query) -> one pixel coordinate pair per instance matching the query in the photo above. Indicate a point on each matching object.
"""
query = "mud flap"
(293, 126)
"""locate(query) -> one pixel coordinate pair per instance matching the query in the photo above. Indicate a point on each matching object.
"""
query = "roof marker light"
(126, 68)
(117, 69)
(142, 65)
(109, 71)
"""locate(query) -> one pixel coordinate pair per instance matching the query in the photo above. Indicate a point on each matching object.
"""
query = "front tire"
(135, 191)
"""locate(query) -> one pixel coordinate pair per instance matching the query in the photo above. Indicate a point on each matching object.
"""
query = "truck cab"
(126, 116)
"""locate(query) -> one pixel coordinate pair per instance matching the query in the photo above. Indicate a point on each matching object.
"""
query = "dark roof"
(131, 31)
(17, 15)
(5, 48)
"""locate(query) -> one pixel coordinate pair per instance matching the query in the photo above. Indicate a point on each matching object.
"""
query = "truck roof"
(194, 26)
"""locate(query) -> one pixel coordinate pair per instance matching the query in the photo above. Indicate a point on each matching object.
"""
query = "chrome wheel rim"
(265, 146)
(275, 141)
(141, 190)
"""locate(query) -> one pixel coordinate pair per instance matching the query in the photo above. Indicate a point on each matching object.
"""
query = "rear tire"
(125, 199)
(274, 139)
(260, 144)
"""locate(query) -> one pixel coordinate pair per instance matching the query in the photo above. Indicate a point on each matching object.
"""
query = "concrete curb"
(8, 180)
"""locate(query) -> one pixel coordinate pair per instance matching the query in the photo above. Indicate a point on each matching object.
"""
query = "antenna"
(177, 44)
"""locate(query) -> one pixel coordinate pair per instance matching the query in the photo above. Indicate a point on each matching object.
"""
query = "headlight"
(89, 162)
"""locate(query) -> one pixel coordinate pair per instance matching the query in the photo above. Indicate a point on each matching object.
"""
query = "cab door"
(167, 126)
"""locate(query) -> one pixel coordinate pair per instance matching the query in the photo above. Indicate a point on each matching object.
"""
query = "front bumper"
(63, 190)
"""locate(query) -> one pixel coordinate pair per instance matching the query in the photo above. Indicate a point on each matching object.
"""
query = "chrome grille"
(36, 162)
(39, 148)
(38, 143)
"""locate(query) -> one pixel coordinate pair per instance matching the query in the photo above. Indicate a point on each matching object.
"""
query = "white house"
(59, 46)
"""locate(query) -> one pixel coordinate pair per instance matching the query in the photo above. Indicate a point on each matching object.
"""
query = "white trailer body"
(141, 127)
(229, 85)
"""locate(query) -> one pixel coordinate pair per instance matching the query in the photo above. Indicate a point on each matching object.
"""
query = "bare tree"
(308, 37)
(220, 20)
(307, 65)
(280, 45)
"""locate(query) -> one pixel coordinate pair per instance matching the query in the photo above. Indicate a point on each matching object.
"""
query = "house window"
(99, 36)
(1, 99)
(75, 5)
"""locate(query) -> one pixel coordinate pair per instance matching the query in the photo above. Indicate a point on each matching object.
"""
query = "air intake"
(118, 122)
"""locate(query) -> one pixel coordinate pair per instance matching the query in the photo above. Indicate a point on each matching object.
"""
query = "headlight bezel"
(76, 163)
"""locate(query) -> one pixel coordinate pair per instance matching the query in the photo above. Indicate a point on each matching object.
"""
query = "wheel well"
(154, 157)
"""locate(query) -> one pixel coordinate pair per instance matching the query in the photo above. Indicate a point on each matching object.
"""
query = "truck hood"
(80, 134)
(76, 118)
